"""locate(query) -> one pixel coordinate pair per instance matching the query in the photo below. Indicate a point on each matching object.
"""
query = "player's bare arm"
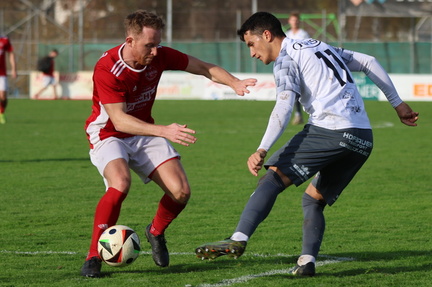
(256, 161)
(123, 122)
(12, 62)
(406, 114)
(219, 75)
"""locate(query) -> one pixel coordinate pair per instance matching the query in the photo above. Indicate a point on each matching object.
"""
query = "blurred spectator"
(295, 32)
(46, 66)
(5, 47)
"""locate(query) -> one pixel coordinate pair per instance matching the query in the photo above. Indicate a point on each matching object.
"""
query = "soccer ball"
(119, 246)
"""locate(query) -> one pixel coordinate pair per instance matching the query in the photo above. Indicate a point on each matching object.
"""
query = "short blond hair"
(135, 22)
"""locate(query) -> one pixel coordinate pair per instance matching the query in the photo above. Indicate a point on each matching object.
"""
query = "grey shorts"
(332, 156)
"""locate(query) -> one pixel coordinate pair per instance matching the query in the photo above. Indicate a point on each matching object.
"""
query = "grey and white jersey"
(319, 74)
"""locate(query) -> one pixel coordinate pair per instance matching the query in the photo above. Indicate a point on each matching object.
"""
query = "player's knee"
(122, 184)
(272, 177)
(308, 200)
(182, 195)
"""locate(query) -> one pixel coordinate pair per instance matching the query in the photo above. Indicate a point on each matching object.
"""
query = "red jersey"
(5, 46)
(115, 82)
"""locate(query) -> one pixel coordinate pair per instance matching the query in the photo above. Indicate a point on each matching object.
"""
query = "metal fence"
(83, 34)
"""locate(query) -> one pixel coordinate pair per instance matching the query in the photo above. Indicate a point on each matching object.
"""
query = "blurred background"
(397, 32)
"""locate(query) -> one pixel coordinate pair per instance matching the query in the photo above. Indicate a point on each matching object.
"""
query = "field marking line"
(340, 259)
(246, 278)
(74, 253)
(39, 252)
(223, 282)
(382, 125)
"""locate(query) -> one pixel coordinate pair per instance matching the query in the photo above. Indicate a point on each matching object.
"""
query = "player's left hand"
(407, 115)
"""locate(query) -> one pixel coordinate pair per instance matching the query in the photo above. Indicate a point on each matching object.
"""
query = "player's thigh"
(148, 154)
(332, 180)
(305, 154)
(111, 157)
(117, 175)
(171, 177)
(3, 87)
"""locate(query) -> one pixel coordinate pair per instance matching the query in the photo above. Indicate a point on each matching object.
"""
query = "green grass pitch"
(378, 232)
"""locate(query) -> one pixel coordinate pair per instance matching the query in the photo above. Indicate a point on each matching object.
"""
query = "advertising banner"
(74, 86)
(185, 86)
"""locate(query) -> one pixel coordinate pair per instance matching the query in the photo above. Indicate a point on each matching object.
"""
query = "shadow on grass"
(376, 264)
(379, 262)
(180, 268)
(282, 262)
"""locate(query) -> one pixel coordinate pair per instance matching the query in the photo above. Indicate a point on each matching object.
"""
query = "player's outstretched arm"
(219, 75)
(406, 114)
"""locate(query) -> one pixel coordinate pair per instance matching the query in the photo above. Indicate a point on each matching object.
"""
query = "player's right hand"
(256, 161)
(241, 86)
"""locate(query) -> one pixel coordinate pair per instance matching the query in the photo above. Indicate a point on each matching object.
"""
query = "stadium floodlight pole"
(81, 35)
(254, 6)
(342, 22)
(169, 22)
(238, 42)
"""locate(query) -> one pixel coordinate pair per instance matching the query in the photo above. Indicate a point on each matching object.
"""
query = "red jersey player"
(5, 47)
(123, 135)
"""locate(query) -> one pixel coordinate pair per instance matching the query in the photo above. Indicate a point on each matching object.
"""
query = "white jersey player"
(333, 145)
(334, 103)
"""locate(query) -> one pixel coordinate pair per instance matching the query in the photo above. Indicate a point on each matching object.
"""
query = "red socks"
(108, 212)
(3, 105)
(167, 211)
(106, 215)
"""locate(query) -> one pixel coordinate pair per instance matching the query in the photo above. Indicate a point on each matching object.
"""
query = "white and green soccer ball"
(119, 246)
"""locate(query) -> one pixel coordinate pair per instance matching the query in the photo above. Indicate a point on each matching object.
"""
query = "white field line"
(246, 278)
(74, 253)
(224, 282)
(382, 125)
(38, 252)
(330, 258)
